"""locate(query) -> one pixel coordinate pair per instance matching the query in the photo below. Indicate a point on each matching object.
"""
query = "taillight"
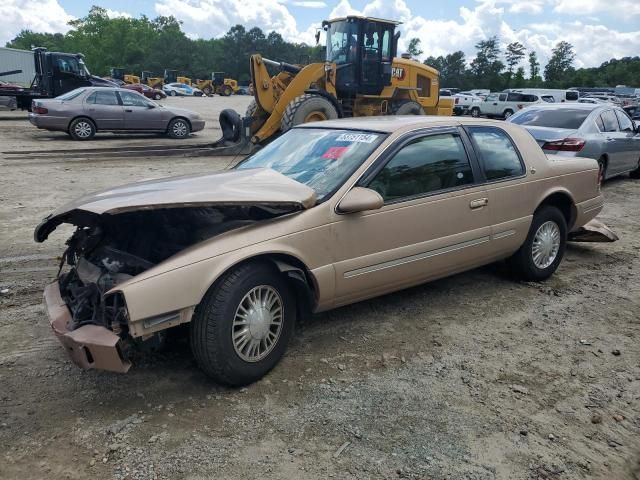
(457, 100)
(520, 106)
(40, 110)
(566, 145)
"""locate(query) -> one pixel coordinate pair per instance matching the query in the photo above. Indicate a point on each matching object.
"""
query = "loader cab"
(362, 48)
(170, 76)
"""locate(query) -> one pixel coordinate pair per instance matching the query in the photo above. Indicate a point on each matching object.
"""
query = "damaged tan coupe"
(326, 215)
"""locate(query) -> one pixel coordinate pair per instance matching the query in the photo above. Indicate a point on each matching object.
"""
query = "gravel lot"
(475, 376)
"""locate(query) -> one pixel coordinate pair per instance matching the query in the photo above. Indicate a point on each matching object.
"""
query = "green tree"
(560, 64)
(514, 54)
(414, 48)
(534, 66)
(486, 67)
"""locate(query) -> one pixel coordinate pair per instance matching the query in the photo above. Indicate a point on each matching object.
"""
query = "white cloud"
(117, 14)
(310, 4)
(39, 16)
(618, 8)
(213, 18)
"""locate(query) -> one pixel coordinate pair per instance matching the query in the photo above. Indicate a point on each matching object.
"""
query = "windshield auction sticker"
(334, 153)
(357, 137)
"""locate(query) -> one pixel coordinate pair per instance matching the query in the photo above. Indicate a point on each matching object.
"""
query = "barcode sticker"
(357, 137)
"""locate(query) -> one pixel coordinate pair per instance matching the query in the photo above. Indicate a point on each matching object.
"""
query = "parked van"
(504, 104)
(558, 94)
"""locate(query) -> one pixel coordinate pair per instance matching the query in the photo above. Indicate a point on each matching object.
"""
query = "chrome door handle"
(478, 203)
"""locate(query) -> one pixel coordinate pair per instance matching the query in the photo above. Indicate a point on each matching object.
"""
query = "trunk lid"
(549, 134)
(257, 186)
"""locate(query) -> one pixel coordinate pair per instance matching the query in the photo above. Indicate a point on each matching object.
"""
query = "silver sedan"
(84, 111)
(600, 131)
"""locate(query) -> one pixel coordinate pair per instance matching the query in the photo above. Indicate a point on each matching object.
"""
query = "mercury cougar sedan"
(328, 214)
(85, 111)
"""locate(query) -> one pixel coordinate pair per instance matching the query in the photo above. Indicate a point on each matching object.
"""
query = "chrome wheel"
(179, 129)
(546, 245)
(83, 129)
(257, 323)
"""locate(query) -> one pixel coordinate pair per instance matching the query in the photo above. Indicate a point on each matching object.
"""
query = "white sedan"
(181, 89)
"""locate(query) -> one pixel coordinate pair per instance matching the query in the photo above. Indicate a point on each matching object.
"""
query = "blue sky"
(598, 29)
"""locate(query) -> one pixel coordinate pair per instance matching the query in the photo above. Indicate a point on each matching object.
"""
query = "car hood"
(549, 134)
(257, 186)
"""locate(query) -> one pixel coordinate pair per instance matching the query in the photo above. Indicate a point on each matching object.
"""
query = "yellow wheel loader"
(154, 82)
(362, 76)
(218, 84)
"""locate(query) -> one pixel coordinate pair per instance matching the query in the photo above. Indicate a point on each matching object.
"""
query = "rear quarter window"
(499, 157)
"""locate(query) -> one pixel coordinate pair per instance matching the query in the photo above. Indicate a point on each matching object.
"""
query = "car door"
(489, 106)
(140, 113)
(613, 143)
(104, 108)
(434, 220)
(504, 171)
(630, 141)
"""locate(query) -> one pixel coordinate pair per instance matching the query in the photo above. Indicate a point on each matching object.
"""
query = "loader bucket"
(594, 231)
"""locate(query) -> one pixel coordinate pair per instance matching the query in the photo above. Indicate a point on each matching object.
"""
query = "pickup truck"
(464, 103)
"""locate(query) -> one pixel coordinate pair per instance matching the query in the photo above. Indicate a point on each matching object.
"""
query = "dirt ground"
(472, 377)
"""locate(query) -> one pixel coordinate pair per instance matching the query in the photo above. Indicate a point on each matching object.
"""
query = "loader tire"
(257, 116)
(408, 107)
(207, 90)
(307, 108)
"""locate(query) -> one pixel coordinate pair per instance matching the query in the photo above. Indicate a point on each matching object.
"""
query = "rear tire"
(602, 169)
(307, 108)
(157, 96)
(227, 91)
(207, 90)
(542, 251)
(173, 93)
(635, 174)
(227, 317)
(507, 113)
(82, 129)
(407, 108)
(178, 128)
(475, 112)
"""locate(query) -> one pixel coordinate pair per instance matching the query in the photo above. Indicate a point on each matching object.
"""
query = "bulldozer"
(362, 76)
(118, 74)
(218, 84)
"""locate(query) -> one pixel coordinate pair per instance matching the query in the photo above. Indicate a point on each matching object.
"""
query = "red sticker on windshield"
(334, 153)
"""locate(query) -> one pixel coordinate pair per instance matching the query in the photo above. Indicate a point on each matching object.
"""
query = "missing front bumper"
(90, 346)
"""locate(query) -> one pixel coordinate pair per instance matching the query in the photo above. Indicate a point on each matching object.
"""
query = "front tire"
(307, 108)
(407, 108)
(542, 251)
(178, 128)
(635, 174)
(227, 91)
(82, 129)
(242, 327)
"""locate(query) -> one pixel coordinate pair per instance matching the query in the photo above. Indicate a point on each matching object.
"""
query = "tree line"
(138, 44)
(518, 68)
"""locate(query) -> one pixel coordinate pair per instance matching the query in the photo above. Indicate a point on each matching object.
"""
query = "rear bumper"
(48, 122)
(90, 346)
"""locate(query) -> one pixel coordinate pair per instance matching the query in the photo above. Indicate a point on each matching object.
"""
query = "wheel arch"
(95, 125)
(179, 117)
(563, 201)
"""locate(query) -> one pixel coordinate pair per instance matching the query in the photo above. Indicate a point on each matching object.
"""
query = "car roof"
(390, 124)
(569, 105)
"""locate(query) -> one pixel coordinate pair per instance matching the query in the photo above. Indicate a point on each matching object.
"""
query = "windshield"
(83, 67)
(321, 159)
(342, 42)
(570, 118)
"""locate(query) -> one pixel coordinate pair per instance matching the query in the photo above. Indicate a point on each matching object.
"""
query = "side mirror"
(360, 199)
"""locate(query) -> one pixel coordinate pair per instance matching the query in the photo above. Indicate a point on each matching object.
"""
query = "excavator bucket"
(593, 231)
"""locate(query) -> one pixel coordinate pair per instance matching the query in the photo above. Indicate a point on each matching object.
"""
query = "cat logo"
(397, 72)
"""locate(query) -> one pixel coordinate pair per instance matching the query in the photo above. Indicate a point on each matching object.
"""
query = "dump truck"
(51, 74)
(362, 76)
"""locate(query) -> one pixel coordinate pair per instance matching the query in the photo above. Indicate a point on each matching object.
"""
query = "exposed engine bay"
(106, 250)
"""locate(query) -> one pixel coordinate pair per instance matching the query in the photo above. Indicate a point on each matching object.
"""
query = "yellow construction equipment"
(153, 82)
(218, 84)
(362, 76)
(185, 80)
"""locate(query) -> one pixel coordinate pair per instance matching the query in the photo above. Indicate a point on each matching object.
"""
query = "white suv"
(504, 104)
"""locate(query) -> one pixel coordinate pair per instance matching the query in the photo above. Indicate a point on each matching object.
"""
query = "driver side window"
(130, 99)
(425, 165)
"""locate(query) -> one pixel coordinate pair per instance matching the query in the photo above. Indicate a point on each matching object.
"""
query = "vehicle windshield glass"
(71, 95)
(83, 67)
(319, 158)
(570, 118)
(342, 42)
